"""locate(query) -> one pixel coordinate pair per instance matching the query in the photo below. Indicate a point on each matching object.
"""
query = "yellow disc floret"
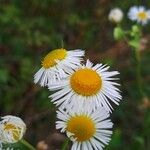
(51, 57)
(86, 82)
(142, 15)
(16, 131)
(82, 127)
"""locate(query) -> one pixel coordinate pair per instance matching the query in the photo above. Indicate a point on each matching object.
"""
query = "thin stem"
(65, 145)
(62, 43)
(27, 144)
(138, 72)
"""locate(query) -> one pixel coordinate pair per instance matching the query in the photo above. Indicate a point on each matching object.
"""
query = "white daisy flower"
(139, 14)
(56, 64)
(115, 15)
(12, 129)
(87, 129)
(89, 86)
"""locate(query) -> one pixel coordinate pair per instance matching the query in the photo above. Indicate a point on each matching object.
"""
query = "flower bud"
(115, 15)
(12, 129)
(118, 33)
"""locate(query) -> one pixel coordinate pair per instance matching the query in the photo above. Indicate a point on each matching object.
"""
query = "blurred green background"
(30, 29)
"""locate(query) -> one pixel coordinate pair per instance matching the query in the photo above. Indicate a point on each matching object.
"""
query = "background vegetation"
(31, 28)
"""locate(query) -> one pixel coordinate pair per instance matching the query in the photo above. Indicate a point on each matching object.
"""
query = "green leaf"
(134, 43)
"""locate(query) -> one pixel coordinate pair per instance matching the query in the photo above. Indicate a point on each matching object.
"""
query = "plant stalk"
(27, 144)
(65, 145)
(138, 72)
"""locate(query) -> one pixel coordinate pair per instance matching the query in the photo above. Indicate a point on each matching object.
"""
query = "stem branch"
(27, 144)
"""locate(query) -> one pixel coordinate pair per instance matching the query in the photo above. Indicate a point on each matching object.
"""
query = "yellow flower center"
(142, 15)
(86, 82)
(82, 127)
(16, 131)
(51, 57)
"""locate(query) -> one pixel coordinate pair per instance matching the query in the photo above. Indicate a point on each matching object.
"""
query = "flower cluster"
(133, 36)
(84, 94)
(136, 13)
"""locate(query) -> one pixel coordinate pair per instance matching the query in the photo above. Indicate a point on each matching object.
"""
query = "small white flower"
(12, 129)
(139, 14)
(87, 129)
(56, 64)
(115, 15)
(88, 86)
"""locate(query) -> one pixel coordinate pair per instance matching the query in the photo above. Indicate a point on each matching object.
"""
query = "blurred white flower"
(56, 64)
(115, 15)
(87, 129)
(139, 14)
(12, 129)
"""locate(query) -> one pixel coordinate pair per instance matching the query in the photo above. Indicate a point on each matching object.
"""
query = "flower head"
(12, 129)
(139, 14)
(56, 64)
(88, 129)
(115, 15)
(88, 86)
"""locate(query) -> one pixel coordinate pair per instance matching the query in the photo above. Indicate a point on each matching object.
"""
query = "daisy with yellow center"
(12, 129)
(56, 64)
(139, 14)
(88, 86)
(88, 129)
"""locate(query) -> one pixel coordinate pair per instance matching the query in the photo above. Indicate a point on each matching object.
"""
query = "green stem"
(65, 145)
(62, 43)
(27, 144)
(138, 72)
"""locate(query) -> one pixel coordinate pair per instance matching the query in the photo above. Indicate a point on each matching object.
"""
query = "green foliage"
(135, 34)
(15, 146)
(116, 141)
